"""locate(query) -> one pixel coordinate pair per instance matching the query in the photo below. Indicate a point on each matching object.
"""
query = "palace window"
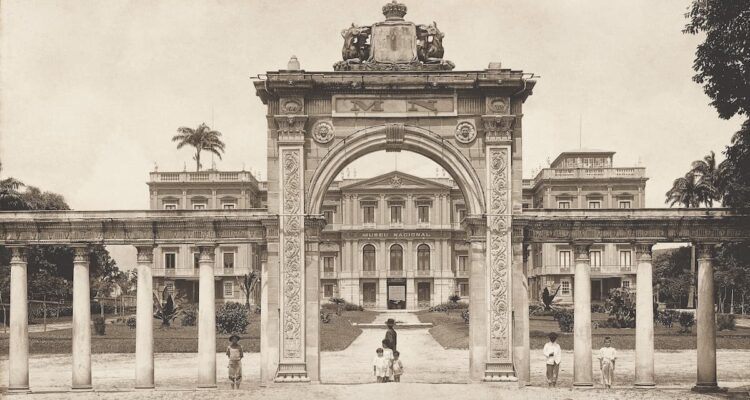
(329, 264)
(395, 214)
(199, 206)
(228, 206)
(565, 288)
(564, 258)
(397, 258)
(595, 204)
(228, 290)
(328, 290)
(463, 262)
(563, 204)
(228, 260)
(368, 214)
(328, 215)
(423, 257)
(368, 258)
(170, 206)
(461, 214)
(626, 258)
(626, 284)
(423, 213)
(170, 260)
(623, 204)
(463, 289)
(596, 258)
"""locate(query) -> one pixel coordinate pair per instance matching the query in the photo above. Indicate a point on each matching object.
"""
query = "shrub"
(465, 316)
(232, 318)
(445, 307)
(189, 316)
(540, 310)
(99, 326)
(564, 318)
(598, 308)
(621, 307)
(96, 308)
(131, 322)
(686, 320)
(726, 322)
(325, 316)
(666, 317)
(339, 304)
(454, 298)
(353, 307)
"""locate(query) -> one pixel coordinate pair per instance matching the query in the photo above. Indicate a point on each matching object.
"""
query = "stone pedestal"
(18, 351)
(144, 329)
(582, 368)
(644, 318)
(206, 318)
(81, 320)
(706, 320)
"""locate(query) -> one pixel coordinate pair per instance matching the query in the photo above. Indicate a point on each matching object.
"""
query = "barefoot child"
(398, 367)
(388, 355)
(379, 366)
(553, 354)
(607, 357)
(235, 354)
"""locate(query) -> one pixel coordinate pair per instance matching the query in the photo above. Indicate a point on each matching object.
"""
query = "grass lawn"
(336, 335)
(451, 332)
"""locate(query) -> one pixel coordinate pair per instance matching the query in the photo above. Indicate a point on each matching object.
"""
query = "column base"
(83, 388)
(583, 385)
(291, 373)
(499, 372)
(19, 390)
(645, 385)
(144, 387)
(707, 388)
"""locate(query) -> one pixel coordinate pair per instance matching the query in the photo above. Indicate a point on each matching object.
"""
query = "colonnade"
(18, 360)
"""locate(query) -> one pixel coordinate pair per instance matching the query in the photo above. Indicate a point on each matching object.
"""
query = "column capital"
(643, 250)
(80, 253)
(581, 249)
(17, 254)
(313, 227)
(475, 227)
(206, 252)
(145, 253)
(705, 251)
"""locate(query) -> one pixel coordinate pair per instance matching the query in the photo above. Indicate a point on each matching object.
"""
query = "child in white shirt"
(607, 357)
(380, 366)
(553, 355)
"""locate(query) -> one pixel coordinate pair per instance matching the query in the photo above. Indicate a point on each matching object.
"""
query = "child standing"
(553, 354)
(607, 357)
(398, 367)
(388, 355)
(235, 354)
(379, 366)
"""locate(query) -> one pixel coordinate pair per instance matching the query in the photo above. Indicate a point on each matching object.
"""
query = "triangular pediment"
(394, 180)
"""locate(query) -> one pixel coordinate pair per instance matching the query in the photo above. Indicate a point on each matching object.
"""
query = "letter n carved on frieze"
(499, 253)
(291, 236)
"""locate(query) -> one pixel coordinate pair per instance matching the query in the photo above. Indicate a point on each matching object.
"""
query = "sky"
(92, 92)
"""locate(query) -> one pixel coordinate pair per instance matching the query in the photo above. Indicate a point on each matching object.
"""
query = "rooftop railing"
(203, 176)
(585, 173)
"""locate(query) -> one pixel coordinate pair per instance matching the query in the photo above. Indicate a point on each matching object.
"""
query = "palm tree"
(202, 138)
(710, 178)
(685, 191)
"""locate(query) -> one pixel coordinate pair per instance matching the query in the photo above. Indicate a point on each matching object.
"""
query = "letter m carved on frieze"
(361, 105)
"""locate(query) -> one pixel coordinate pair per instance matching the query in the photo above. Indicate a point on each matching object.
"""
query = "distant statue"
(430, 46)
(356, 49)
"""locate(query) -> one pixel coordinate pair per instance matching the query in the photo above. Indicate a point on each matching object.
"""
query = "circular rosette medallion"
(465, 132)
(323, 132)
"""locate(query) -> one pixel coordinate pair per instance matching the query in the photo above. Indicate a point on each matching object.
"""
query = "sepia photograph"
(340, 199)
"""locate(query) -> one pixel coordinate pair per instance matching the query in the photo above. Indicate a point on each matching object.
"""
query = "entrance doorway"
(596, 290)
(423, 294)
(369, 294)
(396, 294)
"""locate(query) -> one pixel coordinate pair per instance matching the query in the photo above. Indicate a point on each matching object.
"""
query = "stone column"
(706, 320)
(81, 319)
(582, 369)
(18, 356)
(144, 333)
(477, 309)
(644, 317)
(521, 350)
(206, 317)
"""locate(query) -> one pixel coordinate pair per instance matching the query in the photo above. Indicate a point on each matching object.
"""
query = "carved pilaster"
(292, 256)
(499, 365)
(498, 129)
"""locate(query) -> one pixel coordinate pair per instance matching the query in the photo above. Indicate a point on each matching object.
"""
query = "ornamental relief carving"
(322, 132)
(499, 223)
(498, 128)
(292, 255)
(465, 132)
(290, 106)
(498, 105)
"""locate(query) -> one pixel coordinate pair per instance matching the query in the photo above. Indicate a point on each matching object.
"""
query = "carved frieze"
(466, 132)
(322, 132)
(499, 249)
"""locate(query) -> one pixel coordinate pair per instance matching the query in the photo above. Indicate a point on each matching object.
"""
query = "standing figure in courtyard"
(390, 334)
(553, 355)
(397, 367)
(388, 356)
(380, 365)
(235, 354)
(607, 357)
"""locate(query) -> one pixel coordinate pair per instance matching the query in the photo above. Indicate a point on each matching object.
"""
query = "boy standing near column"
(553, 355)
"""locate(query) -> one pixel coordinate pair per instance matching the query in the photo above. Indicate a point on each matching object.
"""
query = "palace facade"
(395, 240)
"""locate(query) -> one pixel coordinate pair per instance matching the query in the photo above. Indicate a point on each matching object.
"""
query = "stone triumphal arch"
(392, 91)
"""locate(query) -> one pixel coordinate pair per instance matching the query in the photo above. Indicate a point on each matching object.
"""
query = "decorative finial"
(293, 64)
(394, 11)
(156, 167)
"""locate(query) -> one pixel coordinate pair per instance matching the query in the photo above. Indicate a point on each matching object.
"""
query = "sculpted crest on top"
(393, 45)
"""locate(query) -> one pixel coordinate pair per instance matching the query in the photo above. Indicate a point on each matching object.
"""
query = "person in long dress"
(235, 354)
(607, 357)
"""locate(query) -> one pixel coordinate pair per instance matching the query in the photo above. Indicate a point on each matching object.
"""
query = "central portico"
(392, 91)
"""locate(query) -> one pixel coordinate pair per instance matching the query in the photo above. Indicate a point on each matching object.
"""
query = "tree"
(710, 178)
(687, 191)
(722, 61)
(548, 298)
(202, 138)
(10, 197)
(669, 274)
(167, 309)
(248, 283)
(736, 168)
